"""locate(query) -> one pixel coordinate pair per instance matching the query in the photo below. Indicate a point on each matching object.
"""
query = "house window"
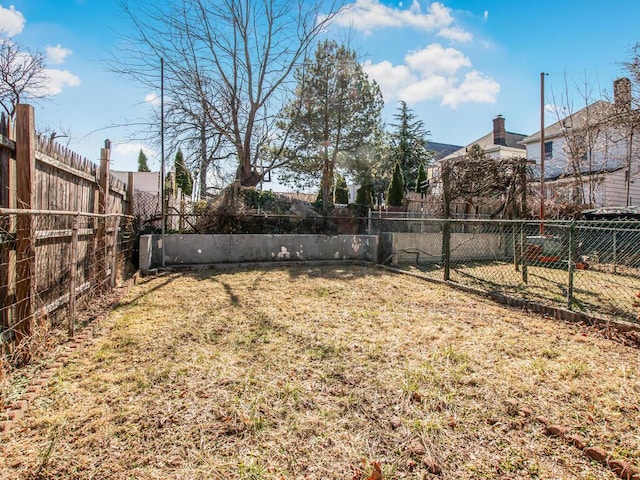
(548, 150)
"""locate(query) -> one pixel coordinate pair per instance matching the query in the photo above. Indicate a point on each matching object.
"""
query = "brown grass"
(601, 293)
(318, 372)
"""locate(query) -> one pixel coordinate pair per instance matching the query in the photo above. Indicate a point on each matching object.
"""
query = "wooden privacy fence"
(65, 229)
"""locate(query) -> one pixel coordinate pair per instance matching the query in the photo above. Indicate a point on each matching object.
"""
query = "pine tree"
(421, 181)
(341, 193)
(142, 162)
(395, 195)
(410, 143)
(364, 195)
(335, 112)
(183, 175)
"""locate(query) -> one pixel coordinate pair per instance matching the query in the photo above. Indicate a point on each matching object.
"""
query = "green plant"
(341, 193)
(395, 194)
(364, 195)
(254, 198)
(421, 181)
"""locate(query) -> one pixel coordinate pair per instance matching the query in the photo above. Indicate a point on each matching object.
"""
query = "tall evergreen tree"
(409, 144)
(183, 175)
(395, 195)
(142, 162)
(335, 112)
(364, 195)
(341, 193)
(421, 181)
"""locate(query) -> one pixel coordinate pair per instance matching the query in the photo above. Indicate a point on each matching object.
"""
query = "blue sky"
(457, 63)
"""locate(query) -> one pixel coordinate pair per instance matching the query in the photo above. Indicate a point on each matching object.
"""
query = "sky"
(456, 63)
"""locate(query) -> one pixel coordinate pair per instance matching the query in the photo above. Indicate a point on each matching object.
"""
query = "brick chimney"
(622, 93)
(499, 133)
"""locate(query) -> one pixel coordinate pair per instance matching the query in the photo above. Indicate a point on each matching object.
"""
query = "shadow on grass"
(544, 286)
(146, 292)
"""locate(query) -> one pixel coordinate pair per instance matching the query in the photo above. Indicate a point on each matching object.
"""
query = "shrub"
(395, 194)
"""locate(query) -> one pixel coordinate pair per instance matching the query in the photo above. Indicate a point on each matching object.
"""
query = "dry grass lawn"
(318, 372)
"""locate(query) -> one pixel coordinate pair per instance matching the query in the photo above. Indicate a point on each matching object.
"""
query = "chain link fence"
(590, 266)
(55, 267)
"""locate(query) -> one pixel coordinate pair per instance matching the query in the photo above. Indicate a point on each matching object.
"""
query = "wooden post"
(25, 228)
(7, 195)
(103, 205)
(130, 193)
(114, 260)
(73, 274)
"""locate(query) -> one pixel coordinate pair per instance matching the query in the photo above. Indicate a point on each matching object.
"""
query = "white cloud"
(430, 88)
(486, 15)
(153, 98)
(55, 80)
(57, 54)
(390, 78)
(559, 111)
(476, 88)
(433, 74)
(50, 81)
(455, 34)
(435, 59)
(11, 21)
(369, 15)
(123, 148)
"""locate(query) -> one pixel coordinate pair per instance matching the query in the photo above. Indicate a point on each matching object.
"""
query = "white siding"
(142, 181)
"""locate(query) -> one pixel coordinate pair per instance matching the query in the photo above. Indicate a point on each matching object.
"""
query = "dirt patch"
(327, 373)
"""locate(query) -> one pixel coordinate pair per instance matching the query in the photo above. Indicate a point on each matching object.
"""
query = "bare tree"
(585, 136)
(21, 74)
(477, 177)
(227, 62)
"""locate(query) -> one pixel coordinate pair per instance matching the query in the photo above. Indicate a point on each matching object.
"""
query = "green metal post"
(571, 263)
(523, 251)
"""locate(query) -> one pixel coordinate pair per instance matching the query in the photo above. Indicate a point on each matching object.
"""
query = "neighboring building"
(147, 207)
(499, 143)
(590, 156)
(142, 181)
(441, 150)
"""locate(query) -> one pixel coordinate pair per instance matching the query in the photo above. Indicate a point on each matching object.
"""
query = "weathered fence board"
(48, 257)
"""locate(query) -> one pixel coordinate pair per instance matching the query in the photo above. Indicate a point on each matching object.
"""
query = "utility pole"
(162, 189)
(542, 186)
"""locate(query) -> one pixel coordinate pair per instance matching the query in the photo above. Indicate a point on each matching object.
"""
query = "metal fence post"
(523, 253)
(446, 249)
(514, 246)
(615, 251)
(114, 251)
(571, 264)
(446, 227)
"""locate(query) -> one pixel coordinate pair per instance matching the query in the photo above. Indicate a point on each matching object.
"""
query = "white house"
(591, 155)
(496, 144)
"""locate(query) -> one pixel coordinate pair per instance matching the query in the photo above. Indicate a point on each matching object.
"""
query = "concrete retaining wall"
(406, 247)
(203, 249)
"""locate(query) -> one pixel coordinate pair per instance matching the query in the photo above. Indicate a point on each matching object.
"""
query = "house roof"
(441, 150)
(593, 114)
(555, 169)
(612, 213)
(512, 140)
